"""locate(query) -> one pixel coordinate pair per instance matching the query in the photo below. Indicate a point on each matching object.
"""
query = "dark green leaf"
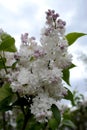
(2, 62)
(4, 104)
(35, 126)
(69, 96)
(71, 66)
(5, 108)
(66, 76)
(56, 113)
(69, 123)
(14, 65)
(20, 102)
(19, 121)
(8, 44)
(72, 37)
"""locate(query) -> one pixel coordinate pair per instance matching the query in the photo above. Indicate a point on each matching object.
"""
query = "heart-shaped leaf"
(72, 37)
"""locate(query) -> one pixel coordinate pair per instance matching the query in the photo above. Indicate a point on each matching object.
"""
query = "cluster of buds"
(24, 38)
(51, 15)
(52, 19)
(39, 53)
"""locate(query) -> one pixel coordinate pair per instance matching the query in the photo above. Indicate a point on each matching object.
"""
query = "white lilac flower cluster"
(39, 67)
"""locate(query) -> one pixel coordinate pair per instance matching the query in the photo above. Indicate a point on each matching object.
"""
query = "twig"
(22, 108)
(4, 121)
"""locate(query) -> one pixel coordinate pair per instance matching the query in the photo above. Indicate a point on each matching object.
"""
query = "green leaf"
(19, 121)
(35, 126)
(71, 66)
(72, 37)
(6, 96)
(20, 102)
(53, 124)
(4, 35)
(2, 62)
(14, 65)
(5, 91)
(69, 96)
(56, 113)
(66, 76)
(4, 104)
(69, 123)
(8, 44)
(32, 58)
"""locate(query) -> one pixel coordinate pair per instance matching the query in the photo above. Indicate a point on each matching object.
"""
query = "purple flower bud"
(64, 23)
(36, 53)
(48, 12)
(54, 17)
(61, 47)
(47, 31)
(24, 38)
(59, 21)
(17, 57)
(53, 11)
(57, 15)
(39, 53)
(33, 38)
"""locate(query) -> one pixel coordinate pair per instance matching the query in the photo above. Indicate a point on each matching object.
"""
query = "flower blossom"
(39, 67)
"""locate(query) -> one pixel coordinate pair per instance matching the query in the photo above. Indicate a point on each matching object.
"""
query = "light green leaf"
(72, 37)
(53, 124)
(32, 58)
(8, 44)
(4, 35)
(69, 123)
(56, 113)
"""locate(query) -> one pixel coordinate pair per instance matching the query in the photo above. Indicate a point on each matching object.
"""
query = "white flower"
(24, 81)
(23, 77)
(9, 58)
(50, 76)
(39, 67)
(41, 107)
